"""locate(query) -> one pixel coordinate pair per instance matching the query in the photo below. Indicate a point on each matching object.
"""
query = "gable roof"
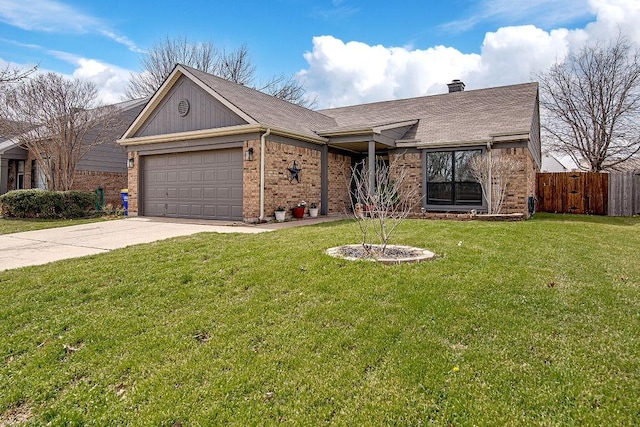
(266, 109)
(474, 115)
(255, 107)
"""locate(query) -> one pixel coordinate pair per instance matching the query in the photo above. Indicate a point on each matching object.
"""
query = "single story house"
(551, 164)
(204, 147)
(105, 165)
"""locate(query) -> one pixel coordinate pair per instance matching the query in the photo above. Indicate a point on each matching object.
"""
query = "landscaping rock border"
(395, 254)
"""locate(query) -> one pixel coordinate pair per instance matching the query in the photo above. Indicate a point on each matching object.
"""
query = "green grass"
(524, 323)
(8, 226)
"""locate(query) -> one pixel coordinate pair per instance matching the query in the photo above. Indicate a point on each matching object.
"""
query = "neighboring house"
(105, 165)
(551, 164)
(629, 165)
(204, 147)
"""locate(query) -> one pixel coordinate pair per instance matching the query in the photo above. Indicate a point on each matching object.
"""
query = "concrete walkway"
(55, 244)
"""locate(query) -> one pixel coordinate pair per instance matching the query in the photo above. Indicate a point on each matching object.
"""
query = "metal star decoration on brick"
(295, 172)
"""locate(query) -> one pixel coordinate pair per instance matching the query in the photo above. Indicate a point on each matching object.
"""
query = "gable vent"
(183, 107)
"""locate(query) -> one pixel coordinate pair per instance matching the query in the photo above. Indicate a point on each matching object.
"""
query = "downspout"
(490, 187)
(263, 139)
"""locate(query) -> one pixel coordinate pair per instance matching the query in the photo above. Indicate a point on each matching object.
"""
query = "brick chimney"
(456, 86)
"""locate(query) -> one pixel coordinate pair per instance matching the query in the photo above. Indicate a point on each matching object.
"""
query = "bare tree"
(58, 121)
(494, 172)
(233, 65)
(380, 200)
(160, 60)
(591, 104)
(236, 66)
(289, 89)
(11, 74)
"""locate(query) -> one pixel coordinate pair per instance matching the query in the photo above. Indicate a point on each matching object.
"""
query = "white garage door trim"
(196, 184)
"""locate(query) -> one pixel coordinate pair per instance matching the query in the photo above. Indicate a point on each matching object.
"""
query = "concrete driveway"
(54, 244)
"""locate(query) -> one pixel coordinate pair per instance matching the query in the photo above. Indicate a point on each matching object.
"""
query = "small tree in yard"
(58, 120)
(380, 205)
(494, 173)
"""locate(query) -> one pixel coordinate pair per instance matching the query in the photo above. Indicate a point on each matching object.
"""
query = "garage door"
(200, 184)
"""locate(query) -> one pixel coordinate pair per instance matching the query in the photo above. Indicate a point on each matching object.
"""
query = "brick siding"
(133, 182)
(279, 190)
(412, 162)
(523, 184)
(521, 187)
(112, 183)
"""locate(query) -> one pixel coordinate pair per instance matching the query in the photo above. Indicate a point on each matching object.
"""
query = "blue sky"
(347, 51)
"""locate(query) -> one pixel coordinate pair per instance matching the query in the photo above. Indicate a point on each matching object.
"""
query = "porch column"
(324, 180)
(372, 165)
(4, 175)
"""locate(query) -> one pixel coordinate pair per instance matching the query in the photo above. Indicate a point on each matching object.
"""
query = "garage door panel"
(204, 184)
(197, 193)
(196, 158)
(236, 175)
(236, 194)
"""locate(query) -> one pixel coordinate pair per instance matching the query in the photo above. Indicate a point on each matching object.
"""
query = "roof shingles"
(474, 115)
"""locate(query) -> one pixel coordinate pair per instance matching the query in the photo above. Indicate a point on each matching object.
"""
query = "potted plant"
(298, 211)
(313, 210)
(280, 213)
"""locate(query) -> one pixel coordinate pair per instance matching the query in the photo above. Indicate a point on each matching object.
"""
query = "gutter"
(490, 178)
(212, 133)
(263, 139)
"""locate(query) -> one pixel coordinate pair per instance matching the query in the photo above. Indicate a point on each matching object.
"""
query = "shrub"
(46, 204)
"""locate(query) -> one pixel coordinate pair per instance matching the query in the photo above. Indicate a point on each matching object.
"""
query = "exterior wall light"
(248, 155)
(130, 162)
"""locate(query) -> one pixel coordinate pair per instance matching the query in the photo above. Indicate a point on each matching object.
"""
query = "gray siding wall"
(110, 156)
(205, 112)
(534, 135)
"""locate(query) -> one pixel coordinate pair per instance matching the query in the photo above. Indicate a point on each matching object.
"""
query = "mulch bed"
(393, 254)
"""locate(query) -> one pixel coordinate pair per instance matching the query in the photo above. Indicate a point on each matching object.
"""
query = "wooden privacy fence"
(624, 193)
(573, 192)
(615, 194)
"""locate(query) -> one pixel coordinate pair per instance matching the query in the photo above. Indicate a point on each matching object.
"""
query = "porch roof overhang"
(357, 139)
(491, 139)
(12, 148)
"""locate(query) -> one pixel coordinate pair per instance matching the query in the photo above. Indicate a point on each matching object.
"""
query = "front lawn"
(524, 323)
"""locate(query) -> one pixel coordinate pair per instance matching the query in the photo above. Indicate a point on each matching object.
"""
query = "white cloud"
(111, 80)
(45, 15)
(353, 72)
(56, 17)
(614, 16)
(348, 73)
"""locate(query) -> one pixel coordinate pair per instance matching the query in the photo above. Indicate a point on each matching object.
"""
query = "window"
(449, 181)
(20, 175)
